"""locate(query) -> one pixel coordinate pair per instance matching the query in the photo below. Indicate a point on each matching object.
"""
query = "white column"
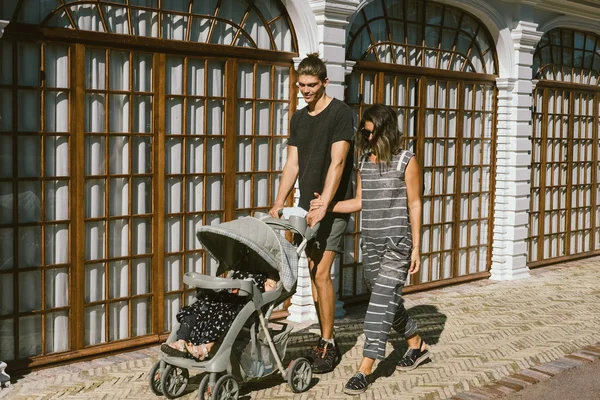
(513, 159)
(332, 19)
(4, 377)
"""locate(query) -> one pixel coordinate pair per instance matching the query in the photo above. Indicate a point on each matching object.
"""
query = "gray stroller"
(251, 349)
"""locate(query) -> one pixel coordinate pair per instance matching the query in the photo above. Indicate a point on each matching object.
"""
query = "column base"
(339, 310)
(303, 313)
(504, 274)
(4, 377)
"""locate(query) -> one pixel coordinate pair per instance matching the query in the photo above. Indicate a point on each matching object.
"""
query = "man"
(320, 155)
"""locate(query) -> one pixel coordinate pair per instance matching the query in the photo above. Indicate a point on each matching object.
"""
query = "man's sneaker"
(357, 384)
(327, 358)
(316, 350)
(413, 358)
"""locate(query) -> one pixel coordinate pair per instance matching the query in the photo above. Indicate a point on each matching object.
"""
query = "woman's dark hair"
(314, 66)
(387, 138)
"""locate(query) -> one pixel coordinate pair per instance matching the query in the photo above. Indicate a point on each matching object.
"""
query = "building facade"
(126, 124)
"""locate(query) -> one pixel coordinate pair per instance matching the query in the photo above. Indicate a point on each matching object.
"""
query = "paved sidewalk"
(478, 332)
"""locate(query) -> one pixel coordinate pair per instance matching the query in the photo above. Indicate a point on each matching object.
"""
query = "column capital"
(507, 84)
(349, 66)
(526, 36)
(333, 10)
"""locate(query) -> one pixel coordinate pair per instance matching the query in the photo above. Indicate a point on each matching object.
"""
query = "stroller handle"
(294, 224)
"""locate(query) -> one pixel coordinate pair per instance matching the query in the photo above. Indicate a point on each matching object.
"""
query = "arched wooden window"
(421, 34)
(436, 66)
(565, 194)
(127, 124)
(260, 24)
(566, 55)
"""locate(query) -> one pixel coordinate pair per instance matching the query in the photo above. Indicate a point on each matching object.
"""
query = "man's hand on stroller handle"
(276, 211)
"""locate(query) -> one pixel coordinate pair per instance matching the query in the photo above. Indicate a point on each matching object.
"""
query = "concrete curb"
(530, 376)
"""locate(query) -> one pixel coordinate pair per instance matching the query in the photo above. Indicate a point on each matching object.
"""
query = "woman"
(389, 194)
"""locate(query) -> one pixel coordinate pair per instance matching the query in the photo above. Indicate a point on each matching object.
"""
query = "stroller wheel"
(226, 388)
(299, 375)
(174, 380)
(203, 388)
(154, 379)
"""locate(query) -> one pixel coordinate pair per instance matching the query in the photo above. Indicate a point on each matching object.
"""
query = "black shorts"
(330, 235)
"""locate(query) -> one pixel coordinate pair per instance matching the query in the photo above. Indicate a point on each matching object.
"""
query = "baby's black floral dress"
(211, 316)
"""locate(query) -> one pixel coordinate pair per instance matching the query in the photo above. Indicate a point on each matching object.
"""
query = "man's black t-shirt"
(313, 136)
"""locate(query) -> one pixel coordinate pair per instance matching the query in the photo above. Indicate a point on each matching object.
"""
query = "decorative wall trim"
(304, 24)
(567, 21)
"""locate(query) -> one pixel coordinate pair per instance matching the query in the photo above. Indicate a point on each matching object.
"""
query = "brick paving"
(487, 339)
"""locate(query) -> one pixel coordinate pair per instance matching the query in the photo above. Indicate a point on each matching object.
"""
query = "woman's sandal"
(413, 358)
(197, 353)
(173, 351)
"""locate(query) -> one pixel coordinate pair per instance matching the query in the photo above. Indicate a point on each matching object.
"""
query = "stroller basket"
(255, 357)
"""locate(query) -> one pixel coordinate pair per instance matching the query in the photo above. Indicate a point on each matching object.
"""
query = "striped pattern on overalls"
(386, 248)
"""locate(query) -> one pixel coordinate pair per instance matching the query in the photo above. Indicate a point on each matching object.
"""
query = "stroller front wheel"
(154, 379)
(299, 375)
(174, 380)
(203, 388)
(226, 388)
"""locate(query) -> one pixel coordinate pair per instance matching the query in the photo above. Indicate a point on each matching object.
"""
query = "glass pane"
(57, 287)
(141, 316)
(7, 339)
(142, 114)
(57, 331)
(141, 195)
(30, 338)
(57, 244)
(95, 325)
(56, 72)
(30, 282)
(6, 249)
(142, 236)
(87, 17)
(141, 276)
(29, 111)
(29, 64)
(57, 111)
(142, 72)
(95, 69)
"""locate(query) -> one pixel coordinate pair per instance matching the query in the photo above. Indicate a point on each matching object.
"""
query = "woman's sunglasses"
(366, 133)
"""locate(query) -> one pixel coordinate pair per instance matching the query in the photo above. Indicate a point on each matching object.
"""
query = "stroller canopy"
(266, 249)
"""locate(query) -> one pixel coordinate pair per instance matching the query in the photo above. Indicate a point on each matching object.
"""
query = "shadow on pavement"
(431, 324)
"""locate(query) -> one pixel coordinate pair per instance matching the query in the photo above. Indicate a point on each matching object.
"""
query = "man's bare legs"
(322, 289)
(326, 355)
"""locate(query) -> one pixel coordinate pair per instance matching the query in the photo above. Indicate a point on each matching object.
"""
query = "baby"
(204, 321)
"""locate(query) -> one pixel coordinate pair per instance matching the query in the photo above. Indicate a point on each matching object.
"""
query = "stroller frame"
(173, 371)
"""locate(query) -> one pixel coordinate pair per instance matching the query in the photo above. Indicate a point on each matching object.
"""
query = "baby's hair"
(314, 66)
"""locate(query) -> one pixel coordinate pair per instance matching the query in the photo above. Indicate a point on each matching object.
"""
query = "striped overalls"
(386, 248)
